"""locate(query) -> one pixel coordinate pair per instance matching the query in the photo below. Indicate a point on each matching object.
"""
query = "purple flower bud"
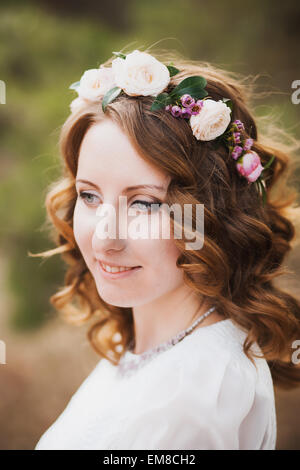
(248, 144)
(187, 101)
(168, 107)
(176, 111)
(237, 151)
(237, 137)
(186, 113)
(239, 124)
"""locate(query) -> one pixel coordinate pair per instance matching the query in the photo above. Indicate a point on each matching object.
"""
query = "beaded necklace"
(129, 364)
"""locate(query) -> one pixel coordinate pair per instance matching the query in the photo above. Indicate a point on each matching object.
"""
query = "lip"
(108, 263)
(118, 275)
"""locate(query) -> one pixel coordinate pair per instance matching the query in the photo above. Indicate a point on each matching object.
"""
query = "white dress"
(202, 393)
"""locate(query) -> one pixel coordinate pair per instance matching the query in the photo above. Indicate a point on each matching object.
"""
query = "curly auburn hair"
(245, 242)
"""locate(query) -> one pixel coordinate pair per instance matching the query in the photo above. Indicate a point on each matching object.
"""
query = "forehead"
(107, 154)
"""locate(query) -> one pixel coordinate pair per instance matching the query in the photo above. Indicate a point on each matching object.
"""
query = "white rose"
(77, 104)
(140, 74)
(212, 120)
(94, 83)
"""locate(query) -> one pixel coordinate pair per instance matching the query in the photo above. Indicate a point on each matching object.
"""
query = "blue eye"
(85, 195)
(148, 204)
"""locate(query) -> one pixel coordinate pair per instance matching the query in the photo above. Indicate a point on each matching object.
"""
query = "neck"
(163, 318)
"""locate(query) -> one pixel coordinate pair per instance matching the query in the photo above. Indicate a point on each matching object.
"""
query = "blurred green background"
(47, 45)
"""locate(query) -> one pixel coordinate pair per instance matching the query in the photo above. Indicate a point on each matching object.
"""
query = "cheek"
(83, 230)
(159, 258)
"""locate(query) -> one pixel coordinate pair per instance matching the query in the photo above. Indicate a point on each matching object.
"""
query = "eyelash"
(83, 194)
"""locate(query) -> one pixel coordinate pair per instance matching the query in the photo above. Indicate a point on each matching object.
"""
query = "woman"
(191, 337)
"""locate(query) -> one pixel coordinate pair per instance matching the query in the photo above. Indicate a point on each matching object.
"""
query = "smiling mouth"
(117, 269)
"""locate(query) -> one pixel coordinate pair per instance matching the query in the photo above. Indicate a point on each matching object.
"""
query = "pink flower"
(239, 124)
(249, 166)
(176, 111)
(187, 101)
(248, 144)
(237, 137)
(237, 151)
(186, 113)
(196, 108)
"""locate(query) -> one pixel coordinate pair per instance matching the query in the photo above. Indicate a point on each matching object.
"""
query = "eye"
(86, 197)
(145, 205)
(148, 205)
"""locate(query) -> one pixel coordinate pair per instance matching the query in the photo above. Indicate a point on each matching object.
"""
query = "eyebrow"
(129, 188)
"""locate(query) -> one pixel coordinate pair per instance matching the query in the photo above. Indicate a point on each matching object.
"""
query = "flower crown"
(140, 74)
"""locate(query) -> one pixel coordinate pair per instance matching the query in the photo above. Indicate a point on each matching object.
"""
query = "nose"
(108, 231)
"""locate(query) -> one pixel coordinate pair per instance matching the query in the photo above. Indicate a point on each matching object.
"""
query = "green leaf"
(269, 162)
(119, 54)
(196, 92)
(197, 80)
(162, 100)
(228, 103)
(260, 185)
(172, 70)
(74, 86)
(110, 96)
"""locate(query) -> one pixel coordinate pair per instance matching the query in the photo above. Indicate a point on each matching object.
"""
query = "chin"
(114, 298)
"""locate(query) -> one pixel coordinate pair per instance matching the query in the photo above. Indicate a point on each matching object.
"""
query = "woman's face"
(109, 165)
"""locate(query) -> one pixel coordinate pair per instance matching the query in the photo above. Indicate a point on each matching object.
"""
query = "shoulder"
(215, 375)
(217, 353)
(224, 394)
(204, 370)
(203, 394)
(213, 361)
(225, 387)
(219, 345)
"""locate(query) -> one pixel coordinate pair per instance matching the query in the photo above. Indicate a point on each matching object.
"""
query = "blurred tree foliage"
(46, 45)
